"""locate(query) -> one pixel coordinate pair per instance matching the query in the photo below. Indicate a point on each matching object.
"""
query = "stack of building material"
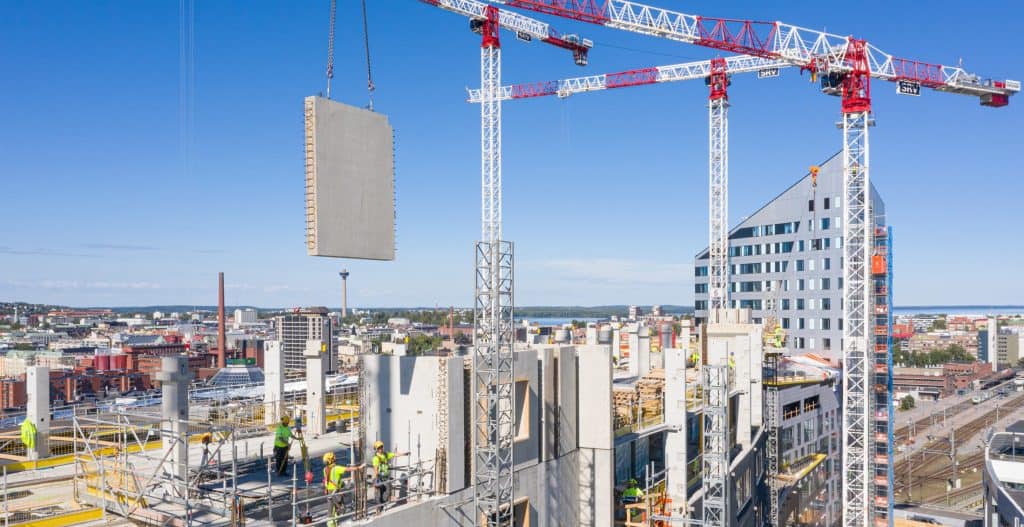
(650, 391)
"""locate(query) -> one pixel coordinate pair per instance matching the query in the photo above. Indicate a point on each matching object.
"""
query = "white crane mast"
(493, 408)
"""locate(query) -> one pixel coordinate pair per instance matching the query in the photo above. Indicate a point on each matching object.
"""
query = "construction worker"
(632, 494)
(732, 361)
(334, 485)
(282, 444)
(382, 471)
(28, 434)
(695, 358)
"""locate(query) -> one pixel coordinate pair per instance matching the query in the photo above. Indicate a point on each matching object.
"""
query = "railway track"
(922, 466)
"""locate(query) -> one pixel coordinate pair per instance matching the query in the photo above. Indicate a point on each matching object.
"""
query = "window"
(825, 205)
(801, 246)
(801, 323)
(826, 264)
(826, 343)
(840, 324)
(522, 424)
(810, 304)
(810, 325)
(816, 244)
(800, 284)
(810, 205)
(837, 223)
(787, 247)
(810, 285)
(785, 304)
(700, 305)
(700, 288)
(748, 250)
(700, 271)
(825, 224)
(826, 323)
(800, 263)
(785, 323)
(811, 340)
(839, 242)
(828, 243)
(826, 283)
(826, 304)
(810, 264)
(800, 307)
(836, 202)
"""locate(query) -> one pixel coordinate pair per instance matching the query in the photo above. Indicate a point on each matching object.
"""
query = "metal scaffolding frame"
(716, 446)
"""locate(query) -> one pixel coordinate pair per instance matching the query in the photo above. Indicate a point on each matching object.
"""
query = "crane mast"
(718, 189)
(493, 408)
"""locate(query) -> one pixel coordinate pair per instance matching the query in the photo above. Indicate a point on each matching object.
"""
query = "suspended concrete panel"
(350, 182)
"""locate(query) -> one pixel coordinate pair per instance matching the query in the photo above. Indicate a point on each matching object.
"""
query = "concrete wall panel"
(350, 182)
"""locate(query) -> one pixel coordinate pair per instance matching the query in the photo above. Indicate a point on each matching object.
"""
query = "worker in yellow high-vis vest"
(282, 444)
(382, 470)
(338, 497)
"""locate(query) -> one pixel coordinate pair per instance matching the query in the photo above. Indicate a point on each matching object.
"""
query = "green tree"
(939, 324)
(22, 346)
(907, 403)
(420, 344)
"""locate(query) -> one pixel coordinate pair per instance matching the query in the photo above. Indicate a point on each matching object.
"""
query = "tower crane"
(716, 74)
(846, 66)
(493, 338)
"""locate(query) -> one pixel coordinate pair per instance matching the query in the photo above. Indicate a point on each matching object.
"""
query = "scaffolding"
(771, 412)
(716, 448)
(126, 465)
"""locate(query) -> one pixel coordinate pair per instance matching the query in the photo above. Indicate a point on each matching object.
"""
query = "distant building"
(295, 329)
(988, 343)
(245, 317)
(1008, 347)
(635, 312)
(786, 261)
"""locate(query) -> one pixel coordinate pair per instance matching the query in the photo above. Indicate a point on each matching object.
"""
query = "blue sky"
(605, 193)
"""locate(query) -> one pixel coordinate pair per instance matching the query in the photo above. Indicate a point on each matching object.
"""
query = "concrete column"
(633, 338)
(596, 437)
(37, 386)
(616, 345)
(675, 419)
(273, 384)
(174, 377)
(316, 386)
(591, 335)
(643, 353)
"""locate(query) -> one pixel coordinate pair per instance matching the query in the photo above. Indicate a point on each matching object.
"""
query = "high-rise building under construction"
(786, 262)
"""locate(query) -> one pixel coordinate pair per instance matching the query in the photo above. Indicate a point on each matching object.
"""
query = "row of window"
(823, 324)
(757, 286)
(758, 249)
(780, 266)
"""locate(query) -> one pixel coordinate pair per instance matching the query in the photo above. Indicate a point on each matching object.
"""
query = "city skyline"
(114, 220)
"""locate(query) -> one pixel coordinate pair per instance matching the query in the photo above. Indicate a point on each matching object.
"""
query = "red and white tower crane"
(847, 66)
(493, 410)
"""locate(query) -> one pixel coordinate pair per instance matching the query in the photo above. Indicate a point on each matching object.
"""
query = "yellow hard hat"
(378, 444)
(285, 419)
(328, 458)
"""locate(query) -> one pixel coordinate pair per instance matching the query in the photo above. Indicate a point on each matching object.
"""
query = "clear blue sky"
(605, 193)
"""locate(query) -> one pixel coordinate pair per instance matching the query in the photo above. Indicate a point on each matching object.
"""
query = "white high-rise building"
(245, 316)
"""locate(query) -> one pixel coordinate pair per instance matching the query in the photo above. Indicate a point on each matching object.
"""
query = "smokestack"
(221, 338)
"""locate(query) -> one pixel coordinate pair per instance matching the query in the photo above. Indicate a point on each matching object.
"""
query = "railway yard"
(924, 471)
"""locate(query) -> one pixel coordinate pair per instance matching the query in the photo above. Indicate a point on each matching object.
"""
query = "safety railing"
(640, 415)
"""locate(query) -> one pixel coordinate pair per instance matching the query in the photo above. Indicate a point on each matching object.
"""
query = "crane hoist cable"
(366, 46)
(330, 48)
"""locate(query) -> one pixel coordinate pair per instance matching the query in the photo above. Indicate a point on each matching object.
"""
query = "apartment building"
(786, 261)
